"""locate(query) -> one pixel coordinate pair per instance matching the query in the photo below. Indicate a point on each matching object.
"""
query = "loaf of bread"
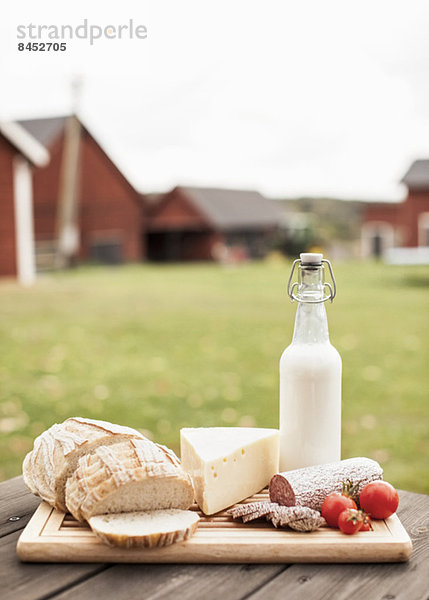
(56, 453)
(128, 488)
(131, 476)
(148, 529)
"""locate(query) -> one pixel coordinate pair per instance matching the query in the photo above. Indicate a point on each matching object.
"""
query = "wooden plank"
(27, 582)
(17, 505)
(407, 581)
(164, 582)
(51, 537)
(31, 581)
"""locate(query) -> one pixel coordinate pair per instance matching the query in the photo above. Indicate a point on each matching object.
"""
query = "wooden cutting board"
(53, 536)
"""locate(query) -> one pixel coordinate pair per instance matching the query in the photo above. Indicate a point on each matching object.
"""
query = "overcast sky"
(290, 98)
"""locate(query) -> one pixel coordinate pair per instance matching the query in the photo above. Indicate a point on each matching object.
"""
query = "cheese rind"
(228, 464)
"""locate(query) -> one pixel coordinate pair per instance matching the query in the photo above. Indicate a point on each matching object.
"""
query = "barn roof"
(417, 176)
(25, 143)
(232, 209)
(45, 130)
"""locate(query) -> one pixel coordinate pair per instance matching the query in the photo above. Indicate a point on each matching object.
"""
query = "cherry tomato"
(366, 523)
(334, 505)
(350, 521)
(379, 499)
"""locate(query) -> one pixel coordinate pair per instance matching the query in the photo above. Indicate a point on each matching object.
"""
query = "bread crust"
(119, 467)
(27, 476)
(56, 451)
(155, 539)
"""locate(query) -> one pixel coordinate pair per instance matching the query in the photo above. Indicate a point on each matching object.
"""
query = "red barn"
(191, 223)
(19, 152)
(84, 207)
(402, 224)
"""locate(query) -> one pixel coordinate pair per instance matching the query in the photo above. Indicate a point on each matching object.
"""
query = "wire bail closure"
(332, 289)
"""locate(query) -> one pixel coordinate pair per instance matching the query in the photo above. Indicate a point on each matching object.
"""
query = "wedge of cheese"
(228, 464)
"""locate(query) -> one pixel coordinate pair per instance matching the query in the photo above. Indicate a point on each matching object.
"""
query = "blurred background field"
(158, 348)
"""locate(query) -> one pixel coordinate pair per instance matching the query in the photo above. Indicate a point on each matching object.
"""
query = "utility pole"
(68, 235)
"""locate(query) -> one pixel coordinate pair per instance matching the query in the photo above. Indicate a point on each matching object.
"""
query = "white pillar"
(24, 224)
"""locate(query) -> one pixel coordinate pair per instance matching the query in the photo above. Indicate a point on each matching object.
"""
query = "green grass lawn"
(159, 348)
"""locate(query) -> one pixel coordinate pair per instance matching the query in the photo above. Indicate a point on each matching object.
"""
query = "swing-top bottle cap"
(311, 258)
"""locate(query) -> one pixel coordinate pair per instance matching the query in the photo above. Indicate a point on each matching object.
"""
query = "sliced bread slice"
(131, 476)
(57, 450)
(148, 529)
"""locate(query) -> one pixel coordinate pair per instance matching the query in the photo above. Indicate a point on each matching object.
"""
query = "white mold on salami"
(300, 518)
(256, 510)
(310, 524)
(286, 515)
(252, 517)
(310, 486)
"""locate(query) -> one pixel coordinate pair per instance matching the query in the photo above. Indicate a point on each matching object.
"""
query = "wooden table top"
(20, 581)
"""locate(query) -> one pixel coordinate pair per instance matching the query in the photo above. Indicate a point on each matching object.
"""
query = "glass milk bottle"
(310, 373)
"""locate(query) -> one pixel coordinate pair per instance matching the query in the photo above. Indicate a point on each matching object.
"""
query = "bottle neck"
(311, 322)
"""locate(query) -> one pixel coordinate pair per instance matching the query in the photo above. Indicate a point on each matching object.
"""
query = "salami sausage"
(308, 524)
(252, 510)
(310, 486)
(287, 515)
(300, 518)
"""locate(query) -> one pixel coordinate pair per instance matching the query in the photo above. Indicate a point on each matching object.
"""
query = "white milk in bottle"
(310, 374)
